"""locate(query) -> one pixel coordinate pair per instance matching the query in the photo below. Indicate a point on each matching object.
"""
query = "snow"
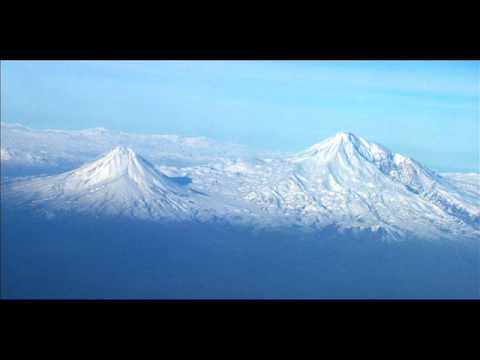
(118, 183)
(344, 181)
(349, 182)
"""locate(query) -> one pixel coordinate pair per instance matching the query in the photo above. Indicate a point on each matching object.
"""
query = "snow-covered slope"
(350, 183)
(344, 182)
(352, 165)
(119, 183)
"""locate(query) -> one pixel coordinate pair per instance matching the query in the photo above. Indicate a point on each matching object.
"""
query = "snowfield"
(344, 182)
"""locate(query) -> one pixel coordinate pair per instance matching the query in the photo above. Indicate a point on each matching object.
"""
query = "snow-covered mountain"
(120, 183)
(344, 182)
(350, 183)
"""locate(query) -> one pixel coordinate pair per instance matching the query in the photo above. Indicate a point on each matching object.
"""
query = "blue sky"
(426, 110)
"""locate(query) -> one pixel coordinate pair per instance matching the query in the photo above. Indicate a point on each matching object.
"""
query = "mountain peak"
(345, 136)
(119, 183)
(348, 138)
(120, 162)
(340, 142)
(122, 151)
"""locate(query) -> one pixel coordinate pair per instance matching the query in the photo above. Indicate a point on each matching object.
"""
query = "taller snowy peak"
(346, 162)
(346, 145)
(342, 160)
(345, 137)
(346, 152)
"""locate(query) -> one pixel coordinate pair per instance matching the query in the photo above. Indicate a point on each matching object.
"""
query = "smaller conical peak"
(118, 162)
(124, 176)
(122, 154)
(122, 159)
(122, 151)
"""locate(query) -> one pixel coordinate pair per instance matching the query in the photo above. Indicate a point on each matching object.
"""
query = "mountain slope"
(350, 158)
(349, 183)
(120, 183)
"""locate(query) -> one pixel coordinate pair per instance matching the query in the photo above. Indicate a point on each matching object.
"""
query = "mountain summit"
(350, 182)
(344, 146)
(119, 183)
(351, 157)
(121, 164)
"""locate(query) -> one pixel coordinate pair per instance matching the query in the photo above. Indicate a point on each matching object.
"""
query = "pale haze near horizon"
(428, 110)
